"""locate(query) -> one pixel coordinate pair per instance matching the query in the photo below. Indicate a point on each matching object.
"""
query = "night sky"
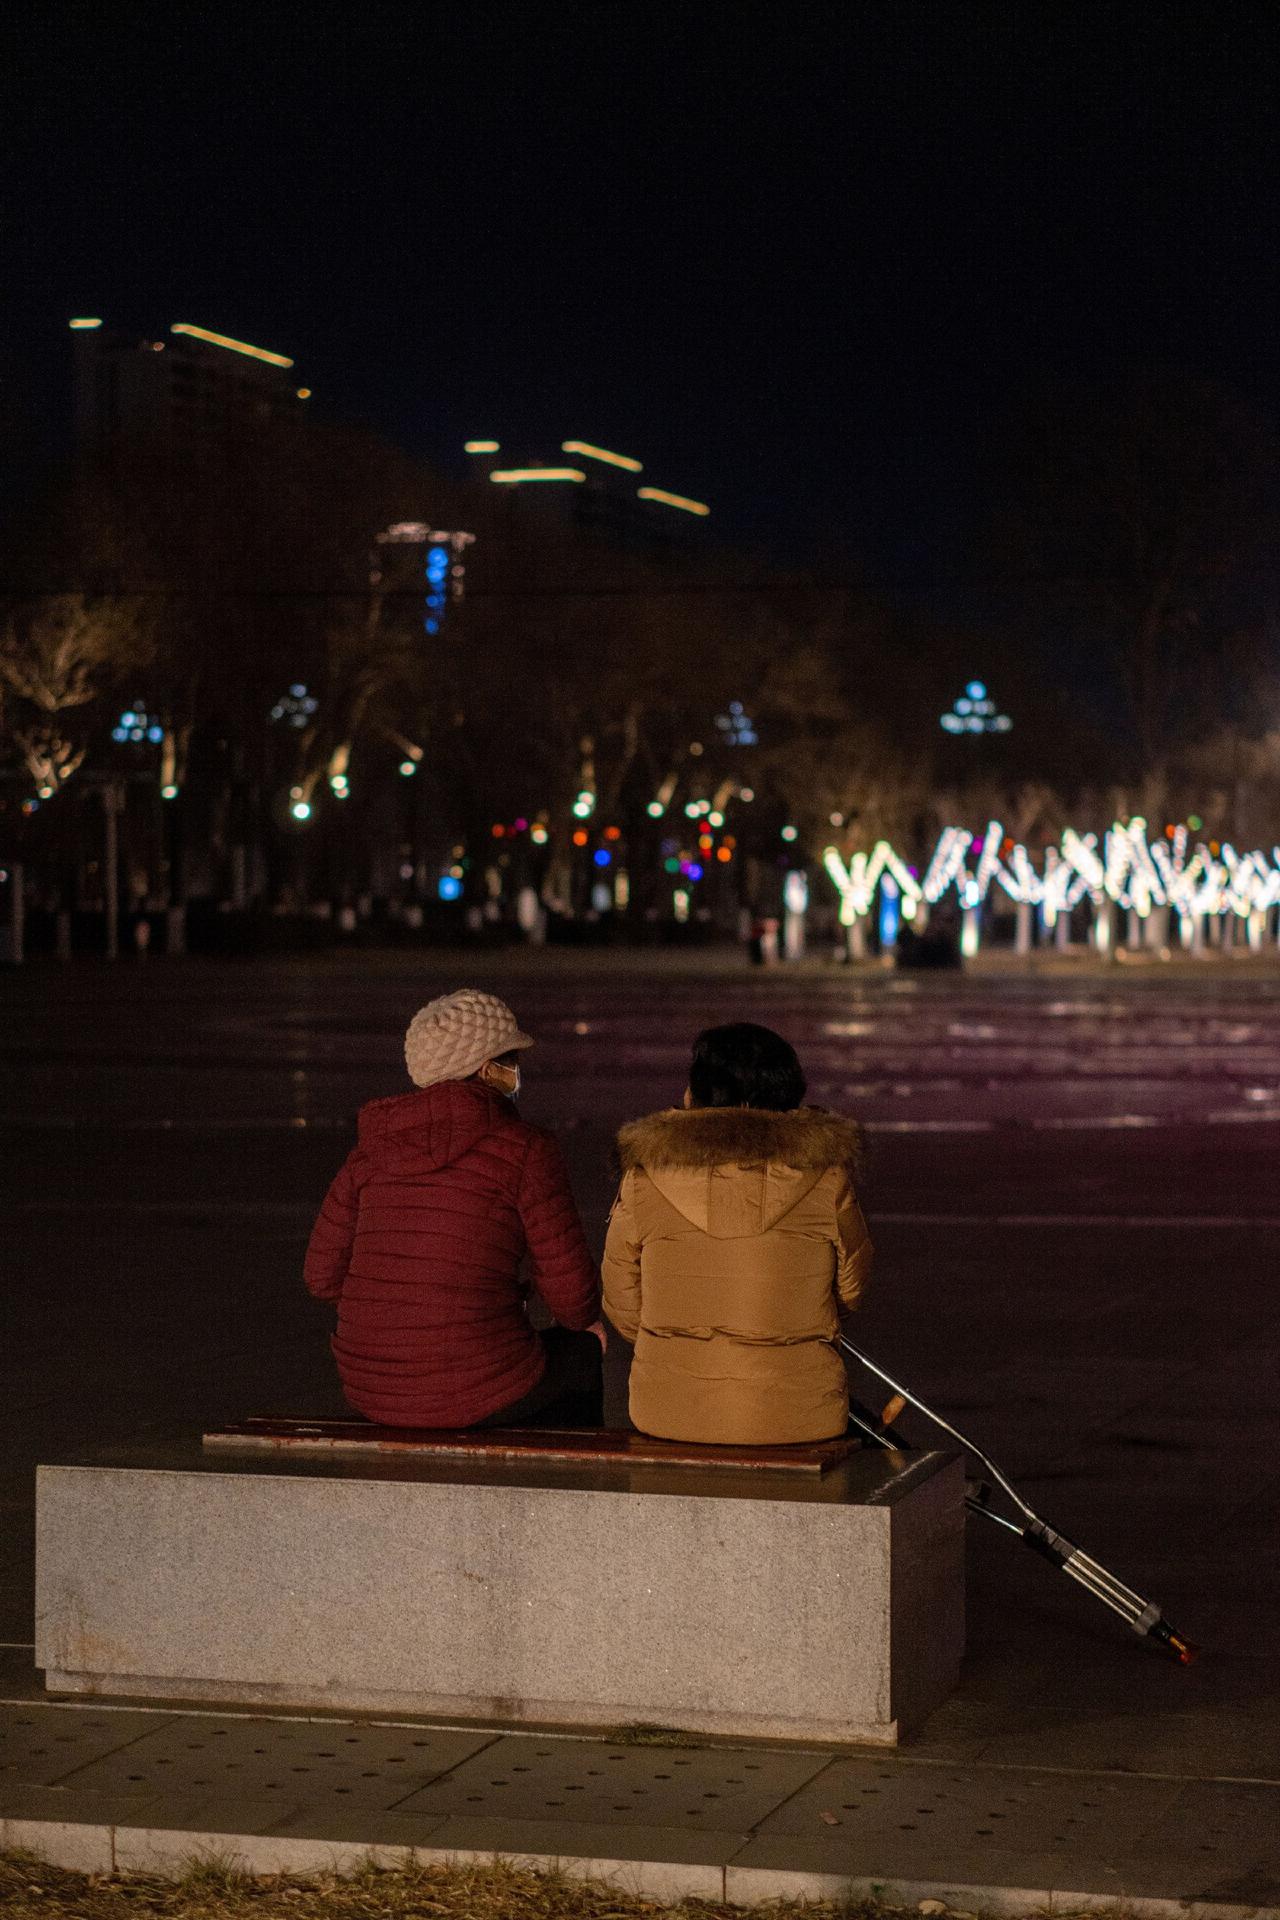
(800, 260)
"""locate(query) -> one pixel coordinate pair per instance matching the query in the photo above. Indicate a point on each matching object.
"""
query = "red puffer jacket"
(420, 1240)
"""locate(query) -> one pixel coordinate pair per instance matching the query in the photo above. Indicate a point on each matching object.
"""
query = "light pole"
(111, 867)
(17, 914)
(974, 713)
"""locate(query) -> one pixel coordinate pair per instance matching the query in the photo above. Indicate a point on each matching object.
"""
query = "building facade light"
(516, 476)
(482, 446)
(405, 533)
(585, 448)
(233, 346)
(84, 323)
(665, 499)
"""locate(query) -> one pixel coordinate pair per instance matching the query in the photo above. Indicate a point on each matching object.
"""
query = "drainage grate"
(41, 1744)
(523, 1778)
(342, 1764)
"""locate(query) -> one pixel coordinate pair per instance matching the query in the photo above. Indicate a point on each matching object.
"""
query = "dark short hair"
(743, 1065)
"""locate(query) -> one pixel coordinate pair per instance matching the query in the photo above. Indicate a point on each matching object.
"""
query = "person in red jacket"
(421, 1238)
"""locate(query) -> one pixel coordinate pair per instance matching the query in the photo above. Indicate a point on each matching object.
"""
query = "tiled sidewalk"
(100, 1787)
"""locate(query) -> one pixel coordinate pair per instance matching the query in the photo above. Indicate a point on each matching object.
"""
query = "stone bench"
(585, 1580)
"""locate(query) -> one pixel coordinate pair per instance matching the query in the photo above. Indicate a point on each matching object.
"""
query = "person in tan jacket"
(735, 1243)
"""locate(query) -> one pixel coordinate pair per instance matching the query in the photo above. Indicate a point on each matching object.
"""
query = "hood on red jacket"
(432, 1127)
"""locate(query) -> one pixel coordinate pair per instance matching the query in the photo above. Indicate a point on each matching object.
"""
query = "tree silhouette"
(1133, 537)
(59, 657)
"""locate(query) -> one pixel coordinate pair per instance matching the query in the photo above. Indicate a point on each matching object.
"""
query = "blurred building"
(193, 387)
(412, 550)
(588, 486)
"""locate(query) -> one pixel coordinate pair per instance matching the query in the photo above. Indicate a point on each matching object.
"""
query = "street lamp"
(975, 712)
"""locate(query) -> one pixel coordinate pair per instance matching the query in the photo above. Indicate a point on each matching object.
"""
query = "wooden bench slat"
(582, 1445)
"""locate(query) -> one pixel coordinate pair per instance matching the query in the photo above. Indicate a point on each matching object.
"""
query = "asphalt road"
(1073, 1190)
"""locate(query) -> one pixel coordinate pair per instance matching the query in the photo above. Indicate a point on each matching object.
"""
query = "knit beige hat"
(450, 1037)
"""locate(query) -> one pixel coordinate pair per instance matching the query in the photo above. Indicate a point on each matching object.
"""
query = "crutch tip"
(1185, 1652)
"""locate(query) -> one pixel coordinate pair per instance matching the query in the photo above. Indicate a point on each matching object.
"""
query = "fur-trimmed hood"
(738, 1169)
(808, 1139)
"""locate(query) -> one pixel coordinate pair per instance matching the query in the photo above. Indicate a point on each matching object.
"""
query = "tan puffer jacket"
(734, 1244)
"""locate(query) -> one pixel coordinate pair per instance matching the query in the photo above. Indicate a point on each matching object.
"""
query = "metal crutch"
(1143, 1616)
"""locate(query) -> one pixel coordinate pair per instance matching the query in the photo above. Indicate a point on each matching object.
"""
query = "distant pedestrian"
(734, 1245)
(421, 1238)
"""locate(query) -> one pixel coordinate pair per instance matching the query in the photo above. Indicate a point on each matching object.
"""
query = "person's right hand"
(598, 1328)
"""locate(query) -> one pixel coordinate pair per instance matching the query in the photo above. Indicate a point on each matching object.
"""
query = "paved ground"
(146, 1790)
(1073, 1193)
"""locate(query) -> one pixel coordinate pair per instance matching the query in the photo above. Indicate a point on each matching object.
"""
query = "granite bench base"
(750, 1603)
